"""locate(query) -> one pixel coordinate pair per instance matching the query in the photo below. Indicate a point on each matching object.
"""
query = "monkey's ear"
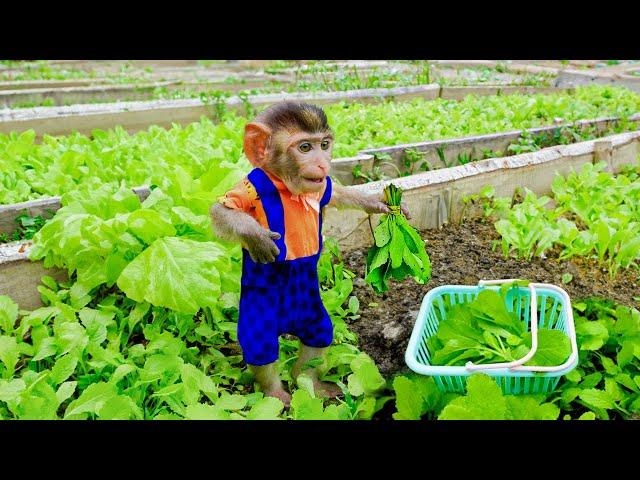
(256, 138)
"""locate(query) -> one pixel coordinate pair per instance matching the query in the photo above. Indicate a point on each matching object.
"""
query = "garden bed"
(139, 115)
(378, 163)
(343, 168)
(134, 116)
(462, 255)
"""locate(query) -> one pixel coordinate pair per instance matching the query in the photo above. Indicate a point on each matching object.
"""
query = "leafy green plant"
(26, 229)
(464, 157)
(357, 375)
(485, 197)
(526, 143)
(593, 214)
(488, 153)
(485, 401)
(605, 383)
(373, 175)
(442, 157)
(566, 278)
(336, 287)
(418, 397)
(414, 161)
(398, 250)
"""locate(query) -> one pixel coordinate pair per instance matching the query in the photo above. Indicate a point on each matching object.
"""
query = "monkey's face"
(302, 160)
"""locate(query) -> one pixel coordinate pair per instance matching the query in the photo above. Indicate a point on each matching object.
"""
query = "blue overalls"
(282, 296)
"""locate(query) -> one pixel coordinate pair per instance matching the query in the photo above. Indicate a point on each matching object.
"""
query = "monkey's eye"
(305, 147)
(324, 145)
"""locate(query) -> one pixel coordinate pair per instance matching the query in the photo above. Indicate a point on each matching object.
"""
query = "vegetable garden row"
(152, 157)
(207, 84)
(145, 325)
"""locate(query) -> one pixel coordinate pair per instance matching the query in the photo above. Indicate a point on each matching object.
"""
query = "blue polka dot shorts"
(284, 297)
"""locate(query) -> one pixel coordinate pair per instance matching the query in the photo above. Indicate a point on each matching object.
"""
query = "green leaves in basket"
(485, 331)
(398, 251)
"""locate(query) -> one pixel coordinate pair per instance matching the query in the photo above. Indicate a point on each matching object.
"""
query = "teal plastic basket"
(548, 305)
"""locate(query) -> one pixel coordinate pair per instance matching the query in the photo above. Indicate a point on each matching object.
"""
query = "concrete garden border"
(572, 78)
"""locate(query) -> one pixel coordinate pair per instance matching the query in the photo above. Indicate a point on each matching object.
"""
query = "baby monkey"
(275, 213)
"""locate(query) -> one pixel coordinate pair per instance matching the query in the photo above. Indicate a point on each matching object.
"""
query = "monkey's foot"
(326, 389)
(280, 394)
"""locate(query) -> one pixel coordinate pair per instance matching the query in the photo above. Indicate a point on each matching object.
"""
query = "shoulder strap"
(323, 202)
(272, 205)
(327, 193)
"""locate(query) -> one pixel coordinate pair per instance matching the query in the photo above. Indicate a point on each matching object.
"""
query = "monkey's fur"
(293, 142)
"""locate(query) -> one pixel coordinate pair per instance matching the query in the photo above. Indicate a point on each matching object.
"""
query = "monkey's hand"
(260, 244)
(376, 204)
(348, 197)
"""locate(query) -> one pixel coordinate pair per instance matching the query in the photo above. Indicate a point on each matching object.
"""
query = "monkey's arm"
(344, 197)
(238, 226)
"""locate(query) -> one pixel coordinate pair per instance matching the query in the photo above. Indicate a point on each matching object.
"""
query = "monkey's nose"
(324, 169)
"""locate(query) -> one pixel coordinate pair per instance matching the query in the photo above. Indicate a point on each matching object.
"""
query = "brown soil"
(462, 255)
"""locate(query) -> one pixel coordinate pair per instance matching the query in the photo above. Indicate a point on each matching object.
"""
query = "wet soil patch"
(462, 255)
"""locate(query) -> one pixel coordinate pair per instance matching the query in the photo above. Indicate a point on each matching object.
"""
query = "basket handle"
(571, 333)
(533, 322)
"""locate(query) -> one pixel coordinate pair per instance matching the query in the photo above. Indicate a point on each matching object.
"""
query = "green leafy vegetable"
(484, 401)
(398, 251)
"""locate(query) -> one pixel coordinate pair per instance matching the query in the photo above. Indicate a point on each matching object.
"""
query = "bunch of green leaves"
(398, 250)
(606, 383)
(484, 330)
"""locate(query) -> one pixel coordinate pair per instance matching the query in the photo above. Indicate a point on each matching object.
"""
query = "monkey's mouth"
(317, 181)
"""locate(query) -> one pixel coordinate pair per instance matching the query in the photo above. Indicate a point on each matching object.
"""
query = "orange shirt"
(300, 220)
